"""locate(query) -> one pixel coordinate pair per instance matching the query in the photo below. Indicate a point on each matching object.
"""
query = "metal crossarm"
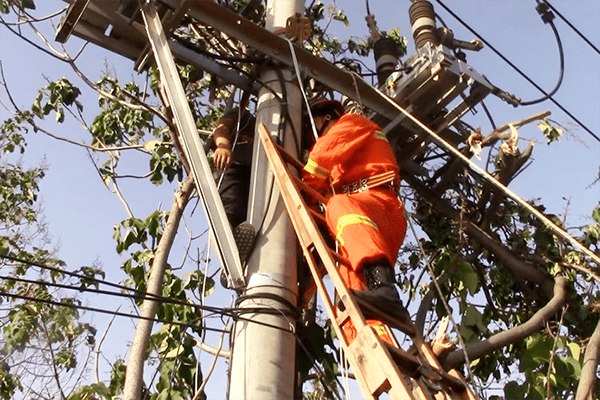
(378, 366)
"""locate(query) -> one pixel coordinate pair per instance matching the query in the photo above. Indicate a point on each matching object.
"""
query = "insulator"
(422, 19)
(386, 58)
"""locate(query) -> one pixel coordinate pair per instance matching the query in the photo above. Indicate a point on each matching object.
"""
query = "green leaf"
(513, 390)
(175, 352)
(552, 133)
(575, 350)
(596, 214)
(468, 276)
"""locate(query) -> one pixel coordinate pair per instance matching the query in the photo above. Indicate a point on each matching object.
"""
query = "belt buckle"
(356, 186)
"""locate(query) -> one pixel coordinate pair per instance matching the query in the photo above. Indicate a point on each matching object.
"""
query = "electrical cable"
(441, 295)
(73, 274)
(518, 70)
(213, 310)
(195, 47)
(320, 374)
(547, 17)
(232, 313)
(145, 295)
(582, 36)
(286, 119)
(93, 309)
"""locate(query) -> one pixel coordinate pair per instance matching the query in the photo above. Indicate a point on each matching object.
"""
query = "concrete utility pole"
(263, 356)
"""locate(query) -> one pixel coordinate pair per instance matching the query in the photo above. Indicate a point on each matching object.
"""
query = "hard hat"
(327, 107)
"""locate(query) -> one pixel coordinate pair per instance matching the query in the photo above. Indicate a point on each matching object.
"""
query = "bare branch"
(139, 346)
(96, 362)
(587, 382)
(515, 334)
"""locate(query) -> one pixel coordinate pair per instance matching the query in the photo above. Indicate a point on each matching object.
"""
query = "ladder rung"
(342, 317)
(289, 157)
(338, 257)
(298, 182)
(308, 190)
(319, 218)
(412, 366)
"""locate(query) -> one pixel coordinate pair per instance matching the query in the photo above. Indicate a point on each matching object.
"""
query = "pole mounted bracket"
(298, 28)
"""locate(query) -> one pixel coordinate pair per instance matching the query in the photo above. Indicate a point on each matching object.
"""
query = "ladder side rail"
(308, 234)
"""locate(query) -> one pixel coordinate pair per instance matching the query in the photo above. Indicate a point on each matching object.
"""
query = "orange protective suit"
(368, 220)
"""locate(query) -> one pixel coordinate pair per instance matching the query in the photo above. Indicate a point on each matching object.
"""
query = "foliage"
(481, 283)
(551, 132)
(40, 325)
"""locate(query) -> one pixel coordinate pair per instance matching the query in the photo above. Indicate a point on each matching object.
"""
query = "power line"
(547, 17)
(234, 313)
(135, 294)
(499, 54)
(581, 35)
(98, 310)
(216, 310)
(80, 276)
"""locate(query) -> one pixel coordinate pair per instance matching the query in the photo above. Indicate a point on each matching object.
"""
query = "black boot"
(381, 301)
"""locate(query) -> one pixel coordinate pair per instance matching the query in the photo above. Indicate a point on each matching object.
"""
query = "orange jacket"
(348, 153)
(368, 225)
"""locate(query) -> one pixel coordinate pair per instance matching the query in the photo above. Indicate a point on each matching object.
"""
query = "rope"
(301, 87)
(344, 372)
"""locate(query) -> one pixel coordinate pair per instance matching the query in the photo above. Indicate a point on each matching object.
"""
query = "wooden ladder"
(378, 366)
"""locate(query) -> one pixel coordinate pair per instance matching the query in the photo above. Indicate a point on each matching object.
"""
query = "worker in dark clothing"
(232, 143)
(353, 165)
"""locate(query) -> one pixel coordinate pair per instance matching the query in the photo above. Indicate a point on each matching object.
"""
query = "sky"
(81, 212)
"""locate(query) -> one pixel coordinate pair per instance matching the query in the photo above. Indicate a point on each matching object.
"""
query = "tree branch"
(585, 388)
(138, 352)
(515, 334)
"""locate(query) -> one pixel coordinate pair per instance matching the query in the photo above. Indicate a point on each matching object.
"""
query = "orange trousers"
(368, 226)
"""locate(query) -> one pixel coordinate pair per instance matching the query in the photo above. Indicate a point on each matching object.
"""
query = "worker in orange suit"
(353, 164)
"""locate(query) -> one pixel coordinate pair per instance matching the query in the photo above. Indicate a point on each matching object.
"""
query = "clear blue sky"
(81, 212)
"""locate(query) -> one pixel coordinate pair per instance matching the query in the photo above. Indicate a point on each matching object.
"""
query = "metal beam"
(344, 82)
(226, 248)
(208, 65)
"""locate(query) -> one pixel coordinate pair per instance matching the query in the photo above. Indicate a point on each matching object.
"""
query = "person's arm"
(223, 156)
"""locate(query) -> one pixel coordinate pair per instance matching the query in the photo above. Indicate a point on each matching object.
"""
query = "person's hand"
(223, 157)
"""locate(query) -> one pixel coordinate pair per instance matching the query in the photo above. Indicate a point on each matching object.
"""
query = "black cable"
(517, 69)
(489, 115)
(233, 313)
(91, 279)
(139, 294)
(286, 118)
(547, 17)
(80, 289)
(98, 310)
(585, 39)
